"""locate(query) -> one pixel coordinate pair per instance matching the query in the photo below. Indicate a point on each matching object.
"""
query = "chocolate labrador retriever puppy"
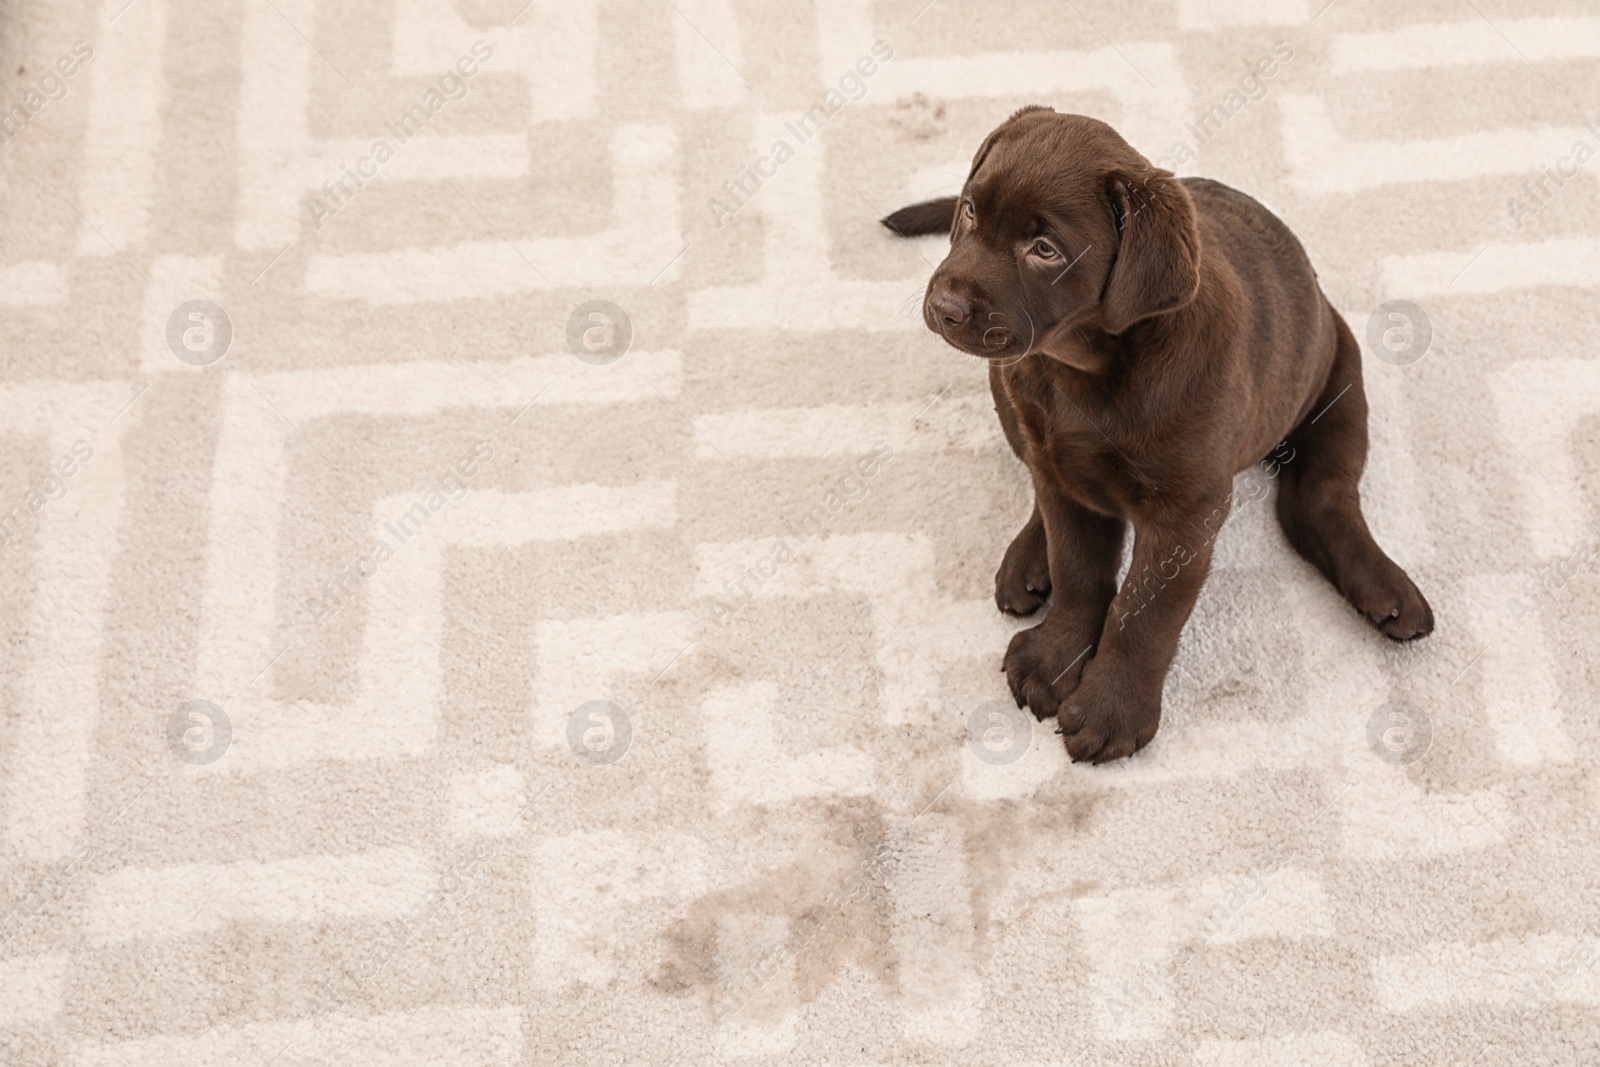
(1147, 338)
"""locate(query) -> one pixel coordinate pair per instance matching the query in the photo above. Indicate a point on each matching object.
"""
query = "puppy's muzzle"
(948, 310)
(997, 336)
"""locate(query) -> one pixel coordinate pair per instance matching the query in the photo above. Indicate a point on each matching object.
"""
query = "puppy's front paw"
(1043, 663)
(1393, 604)
(1104, 720)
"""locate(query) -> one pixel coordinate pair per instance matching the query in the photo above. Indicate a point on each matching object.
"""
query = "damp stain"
(919, 117)
(758, 950)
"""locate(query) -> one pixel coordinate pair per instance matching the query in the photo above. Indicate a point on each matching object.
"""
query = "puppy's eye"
(967, 211)
(1044, 250)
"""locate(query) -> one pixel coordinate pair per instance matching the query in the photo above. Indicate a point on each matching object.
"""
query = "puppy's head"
(1062, 226)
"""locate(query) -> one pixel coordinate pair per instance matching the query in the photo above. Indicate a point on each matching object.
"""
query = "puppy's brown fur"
(1147, 338)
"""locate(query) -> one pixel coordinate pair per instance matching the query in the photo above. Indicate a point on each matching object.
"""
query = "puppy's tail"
(931, 216)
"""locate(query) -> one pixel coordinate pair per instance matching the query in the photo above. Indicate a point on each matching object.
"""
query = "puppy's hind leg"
(1319, 503)
(1022, 583)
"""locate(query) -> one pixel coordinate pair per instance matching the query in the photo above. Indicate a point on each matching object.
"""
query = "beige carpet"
(393, 675)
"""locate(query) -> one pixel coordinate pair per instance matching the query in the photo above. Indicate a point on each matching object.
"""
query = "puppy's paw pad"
(1401, 614)
(1041, 669)
(1017, 597)
(1097, 735)
(1408, 622)
(1022, 584)
(1113, 713)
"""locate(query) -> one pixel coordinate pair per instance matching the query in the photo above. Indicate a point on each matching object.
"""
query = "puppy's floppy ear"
(1158, 263)
(983, 150)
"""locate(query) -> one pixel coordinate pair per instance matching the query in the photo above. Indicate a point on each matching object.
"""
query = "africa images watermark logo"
(1399, 733)
(451, 487)
(599, 332)
(1399, 332)
(36, 897)
(50, 486)
(1538, 193)
(1139, 590)
(49, 88)
(852, 86)
(199, 733)
(1251, 88)
(599, 732)
(999, 732)
(199, 333)
(453, 85)
(1552, 582)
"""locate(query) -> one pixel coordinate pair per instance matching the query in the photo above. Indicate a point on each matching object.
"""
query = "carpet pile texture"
(494, 570)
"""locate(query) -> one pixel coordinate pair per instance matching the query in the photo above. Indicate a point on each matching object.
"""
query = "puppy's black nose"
(950, 310)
